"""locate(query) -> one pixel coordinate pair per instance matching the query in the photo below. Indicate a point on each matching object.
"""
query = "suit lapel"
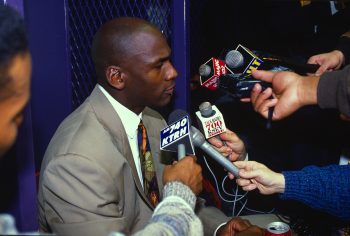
(106, 114)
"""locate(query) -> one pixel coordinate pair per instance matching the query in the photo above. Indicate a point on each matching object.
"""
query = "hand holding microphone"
(291, 92)
(255, 175)
(327, 61)
(212, 122)
(230, 146)
(186, 171)
(196, 138)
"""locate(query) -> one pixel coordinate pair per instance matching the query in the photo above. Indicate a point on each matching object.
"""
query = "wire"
(236, 196)
(243, 207)
(216, 182)
(223, 188)
(261, 212)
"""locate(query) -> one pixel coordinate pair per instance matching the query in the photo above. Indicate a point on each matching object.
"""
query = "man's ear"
(115, 77)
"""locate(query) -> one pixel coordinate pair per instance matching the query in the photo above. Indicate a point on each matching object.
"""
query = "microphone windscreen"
(177, 115)
(204, 70)
(206, 109)
(234, 59)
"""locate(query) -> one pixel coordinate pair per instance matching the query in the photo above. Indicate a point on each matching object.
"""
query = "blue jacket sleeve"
(323, 188)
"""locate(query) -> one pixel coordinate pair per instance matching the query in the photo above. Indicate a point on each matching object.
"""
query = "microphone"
(198, 140)
(234, 59)
(211, 120)
(210, 71)
(176, 136)
(300, 68)
(238, 85)
(242, 60)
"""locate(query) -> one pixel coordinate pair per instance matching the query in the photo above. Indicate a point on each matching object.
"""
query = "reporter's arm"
(174, 215)
(333, 90)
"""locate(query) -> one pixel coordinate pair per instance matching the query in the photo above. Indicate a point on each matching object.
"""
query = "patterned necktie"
(150, 184)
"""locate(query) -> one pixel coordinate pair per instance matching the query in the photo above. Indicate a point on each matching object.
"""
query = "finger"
(245, 99)
(243, 182)
(250, 174)
(230, 176)
(234, 157)
(263, 75)
(262, 98)
(313, 60)
(230, 136)
(266, 105)
(224, 150)
(216, 142)
(194, 158)
(321, 70)
(240, 225)
(249, 187)
(255, 93)
(242, 164)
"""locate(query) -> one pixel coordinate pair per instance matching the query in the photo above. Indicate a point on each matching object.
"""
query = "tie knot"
(141, 125)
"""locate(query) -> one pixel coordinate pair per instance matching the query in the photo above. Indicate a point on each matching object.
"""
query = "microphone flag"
(175, 134)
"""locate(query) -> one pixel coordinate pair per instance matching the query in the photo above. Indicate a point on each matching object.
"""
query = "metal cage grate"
(84, 19)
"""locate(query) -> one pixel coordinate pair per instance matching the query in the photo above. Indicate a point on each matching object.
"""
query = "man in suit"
(91, 179)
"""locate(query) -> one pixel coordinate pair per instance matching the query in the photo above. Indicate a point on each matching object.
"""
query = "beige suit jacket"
(89, 183)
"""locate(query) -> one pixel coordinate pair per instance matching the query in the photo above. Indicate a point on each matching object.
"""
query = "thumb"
(241, 164)
(249, 174)
(321, 70)
(313, 60)
(263, 75)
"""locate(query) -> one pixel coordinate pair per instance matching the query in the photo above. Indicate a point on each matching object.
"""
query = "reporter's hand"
(229, 145)
(290, 91)
(328, 61)
(239, 227)
(254, 175)
(344, 117)
(186, 171)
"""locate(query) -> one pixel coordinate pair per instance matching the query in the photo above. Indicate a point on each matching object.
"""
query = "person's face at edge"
(150, 73)
(11, 107)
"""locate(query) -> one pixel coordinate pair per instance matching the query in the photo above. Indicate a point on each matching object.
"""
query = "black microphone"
(176, 136)
(198, 140)
(297, 67)
(238, 85)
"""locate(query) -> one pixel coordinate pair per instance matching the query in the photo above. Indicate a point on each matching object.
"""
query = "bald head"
(114, 43)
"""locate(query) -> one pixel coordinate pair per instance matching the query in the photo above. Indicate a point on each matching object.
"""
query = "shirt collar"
(130, 120)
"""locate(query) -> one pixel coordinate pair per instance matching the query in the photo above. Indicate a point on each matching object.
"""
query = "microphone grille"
(177, 115)
(204, 70)
(206, 109)
(234, 59)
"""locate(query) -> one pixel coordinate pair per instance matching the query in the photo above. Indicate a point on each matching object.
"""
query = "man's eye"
(159, 65)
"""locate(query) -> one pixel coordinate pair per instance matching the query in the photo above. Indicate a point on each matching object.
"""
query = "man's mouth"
(170, 90)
